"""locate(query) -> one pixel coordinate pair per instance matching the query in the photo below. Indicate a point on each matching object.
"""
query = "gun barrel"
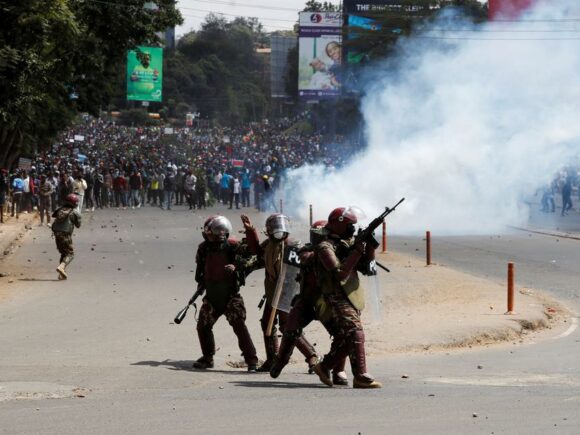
(181, 315)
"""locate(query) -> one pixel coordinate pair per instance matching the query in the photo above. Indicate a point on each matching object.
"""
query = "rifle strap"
(262, 301)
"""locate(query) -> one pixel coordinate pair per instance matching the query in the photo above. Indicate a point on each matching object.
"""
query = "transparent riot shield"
(290, 288)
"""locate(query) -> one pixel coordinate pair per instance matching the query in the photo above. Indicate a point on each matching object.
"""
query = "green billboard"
(145, 74)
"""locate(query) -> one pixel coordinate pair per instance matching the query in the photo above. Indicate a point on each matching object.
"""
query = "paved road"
(107, 332)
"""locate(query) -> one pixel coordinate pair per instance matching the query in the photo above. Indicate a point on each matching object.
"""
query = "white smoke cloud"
(465, 127)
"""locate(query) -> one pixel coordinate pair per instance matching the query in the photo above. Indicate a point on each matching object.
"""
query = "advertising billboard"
(145, 74)
(319, 55)
(363, 17)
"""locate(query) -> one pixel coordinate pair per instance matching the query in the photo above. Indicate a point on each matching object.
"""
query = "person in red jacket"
(119, 187)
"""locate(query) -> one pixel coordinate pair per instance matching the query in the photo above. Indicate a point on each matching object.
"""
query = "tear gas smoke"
(465, 125)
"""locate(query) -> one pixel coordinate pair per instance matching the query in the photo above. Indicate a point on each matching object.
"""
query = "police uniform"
(222, 298)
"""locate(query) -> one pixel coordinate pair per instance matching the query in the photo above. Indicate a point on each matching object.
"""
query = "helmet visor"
(278, 224)
(354, 214)
(220, 226)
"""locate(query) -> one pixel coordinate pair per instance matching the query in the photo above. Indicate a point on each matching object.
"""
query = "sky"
(274, 15)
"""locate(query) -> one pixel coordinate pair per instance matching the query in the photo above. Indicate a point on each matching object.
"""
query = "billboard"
(319, 55)
(362, 17)
(145, 74)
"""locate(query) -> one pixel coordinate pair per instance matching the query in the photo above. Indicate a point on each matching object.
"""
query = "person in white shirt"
(79, 185)
(189, 187)
(237, 190)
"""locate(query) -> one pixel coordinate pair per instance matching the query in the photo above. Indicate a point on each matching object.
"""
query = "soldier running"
(66, 218)
(216, 273)
(338, 259)
(271, 253)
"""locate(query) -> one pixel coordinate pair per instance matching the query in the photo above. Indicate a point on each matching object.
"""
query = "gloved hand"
(247, 223)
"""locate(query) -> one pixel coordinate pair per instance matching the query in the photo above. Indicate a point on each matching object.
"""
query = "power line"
(245, 5)
(217, 13)
(238, 15)
(111, 3)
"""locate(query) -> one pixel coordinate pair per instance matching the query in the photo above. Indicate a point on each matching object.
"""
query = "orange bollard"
(428, 238)
(384, 236)
(510, 289)
(281, 206)
(310, 214)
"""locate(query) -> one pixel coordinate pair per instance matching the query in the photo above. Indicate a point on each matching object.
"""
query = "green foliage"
(314, 6)
(59, 57)
(218, 70)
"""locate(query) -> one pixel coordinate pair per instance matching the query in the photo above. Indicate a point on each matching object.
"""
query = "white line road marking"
(570, 330)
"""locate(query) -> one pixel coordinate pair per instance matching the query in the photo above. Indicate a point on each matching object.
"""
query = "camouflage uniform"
(64, 245)
(222, 298)
(309, 305)
(337, 264)
(270, 252)
(66, 219)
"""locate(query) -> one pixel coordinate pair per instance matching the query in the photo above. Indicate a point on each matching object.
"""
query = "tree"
(219, 71)
(314, 6)
(58, 57)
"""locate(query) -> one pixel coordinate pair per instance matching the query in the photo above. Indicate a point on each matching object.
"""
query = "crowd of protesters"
(108, 165)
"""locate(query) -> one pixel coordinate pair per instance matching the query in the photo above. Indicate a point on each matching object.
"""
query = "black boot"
(203, 363)
(207, 343)
(271, 345)
(284, 353)
(246, 344)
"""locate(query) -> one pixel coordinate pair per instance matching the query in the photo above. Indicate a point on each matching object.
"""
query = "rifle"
(366, 235)
(181, 315)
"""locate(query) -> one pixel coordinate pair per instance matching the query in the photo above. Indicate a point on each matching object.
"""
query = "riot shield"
(290, 288)
(276, 297)
(373, 297)
(291, 256)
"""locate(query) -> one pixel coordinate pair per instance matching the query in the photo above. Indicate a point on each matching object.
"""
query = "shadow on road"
(187, 366)
(169, 364)
(268, 383)
(38, 279)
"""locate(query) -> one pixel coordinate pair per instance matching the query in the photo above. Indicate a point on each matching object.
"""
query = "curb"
(547, 233)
